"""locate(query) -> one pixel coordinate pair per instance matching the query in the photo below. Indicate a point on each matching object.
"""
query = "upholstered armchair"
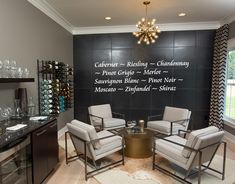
(173, 119)
(90, 144)
(103, 117)
(196, 152)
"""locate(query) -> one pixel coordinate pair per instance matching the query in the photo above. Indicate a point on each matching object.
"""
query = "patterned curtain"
(219, 77)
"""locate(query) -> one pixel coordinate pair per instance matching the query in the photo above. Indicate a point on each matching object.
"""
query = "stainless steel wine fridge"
(16, 163)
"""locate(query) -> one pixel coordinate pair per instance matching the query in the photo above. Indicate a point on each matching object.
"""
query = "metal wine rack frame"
(44, 74)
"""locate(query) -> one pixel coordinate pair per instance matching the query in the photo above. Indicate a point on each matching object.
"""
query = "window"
(230, 86)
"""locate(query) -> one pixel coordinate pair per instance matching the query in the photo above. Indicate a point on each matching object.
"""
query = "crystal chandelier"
(147, 30)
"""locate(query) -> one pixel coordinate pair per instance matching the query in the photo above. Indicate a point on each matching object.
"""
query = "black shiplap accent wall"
(193, 93)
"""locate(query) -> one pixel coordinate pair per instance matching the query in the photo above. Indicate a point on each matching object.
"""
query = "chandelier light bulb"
(147, 29)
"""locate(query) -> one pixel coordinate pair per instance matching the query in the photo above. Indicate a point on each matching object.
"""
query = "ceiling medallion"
(147, 32)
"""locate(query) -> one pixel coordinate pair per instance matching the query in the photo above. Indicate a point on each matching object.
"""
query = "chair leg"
(171, 128)
(153, 166)
(85, 161)
(123, 157)
(94, 162)
(224, 160)
(199, 167)
(66, 147)
(123, 151)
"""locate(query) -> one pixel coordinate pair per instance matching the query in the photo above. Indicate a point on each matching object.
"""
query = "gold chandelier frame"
(147, 32)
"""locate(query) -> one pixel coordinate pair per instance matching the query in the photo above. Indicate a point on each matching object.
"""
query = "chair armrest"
(153, 116)
(71, 134)
(114, 134)
(102, 120)
(177, 121)
(96, 116)
(119, 114)
(180, 120)
(187, 147)
(217, 143)
(94, 140)
(185, 132)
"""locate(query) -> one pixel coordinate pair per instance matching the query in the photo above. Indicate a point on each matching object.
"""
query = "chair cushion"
(171, 150)
(103, 111)
(78, 131)
(114, 122)
(193, 138)
(174, 114)
(164, 127)
(91, 132)
(108, 144)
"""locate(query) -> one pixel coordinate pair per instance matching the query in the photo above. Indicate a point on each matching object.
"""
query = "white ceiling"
(91, 13)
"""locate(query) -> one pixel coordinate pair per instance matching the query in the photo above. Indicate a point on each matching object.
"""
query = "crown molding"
(228, 20)
(187, 26)
(103, 29)
(47, 9)
(131, 28)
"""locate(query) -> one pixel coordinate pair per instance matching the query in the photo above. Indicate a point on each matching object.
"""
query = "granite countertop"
(8, 137)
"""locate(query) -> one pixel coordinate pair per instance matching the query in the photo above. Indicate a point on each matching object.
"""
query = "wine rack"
(55, 87)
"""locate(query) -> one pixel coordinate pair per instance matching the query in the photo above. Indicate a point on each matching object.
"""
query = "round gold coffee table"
(138, 145)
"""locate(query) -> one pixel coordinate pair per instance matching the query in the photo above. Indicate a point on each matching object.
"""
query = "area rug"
(116, 176)
(121, 177)
(138, 171)
(209, 177)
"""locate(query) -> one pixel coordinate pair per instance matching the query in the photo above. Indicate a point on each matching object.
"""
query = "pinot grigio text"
(137, 76)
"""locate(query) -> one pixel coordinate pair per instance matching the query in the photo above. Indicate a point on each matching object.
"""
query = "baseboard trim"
(230, 137)
(62, 131)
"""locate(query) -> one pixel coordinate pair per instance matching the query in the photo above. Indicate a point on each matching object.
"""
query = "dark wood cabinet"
(52, 144)
(44, 151)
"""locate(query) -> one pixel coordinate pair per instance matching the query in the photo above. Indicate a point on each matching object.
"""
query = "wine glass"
(26, 73)
(19, 72)
(13, 69)
(134, 123)
(10, 111)
(1, 69)
(129, 124)
(6, 112)
(0, 113)
(6, 67)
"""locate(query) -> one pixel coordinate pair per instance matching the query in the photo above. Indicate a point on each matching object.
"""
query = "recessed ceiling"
(90, 13)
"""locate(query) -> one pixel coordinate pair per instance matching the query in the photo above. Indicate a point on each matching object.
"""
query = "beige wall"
(26, 34)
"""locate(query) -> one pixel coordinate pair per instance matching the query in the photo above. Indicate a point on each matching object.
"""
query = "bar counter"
(10, 138)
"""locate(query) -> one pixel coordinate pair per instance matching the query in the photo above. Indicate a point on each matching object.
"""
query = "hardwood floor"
(73, 173)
